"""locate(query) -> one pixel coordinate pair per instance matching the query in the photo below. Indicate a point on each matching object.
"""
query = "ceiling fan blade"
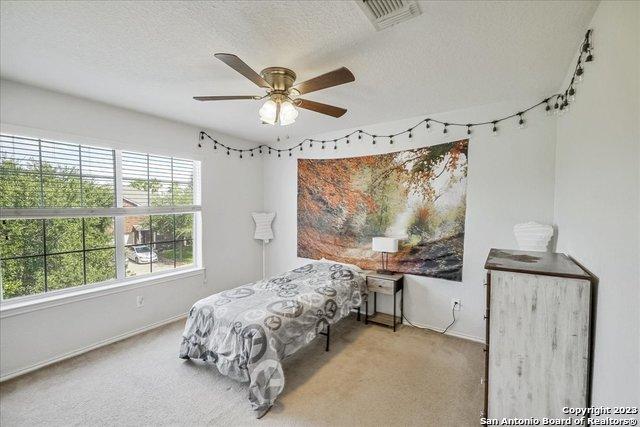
(319, 107)
(239, 65)
(330, 79)
(224, 98)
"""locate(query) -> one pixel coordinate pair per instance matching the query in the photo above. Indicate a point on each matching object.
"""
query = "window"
(76, 215)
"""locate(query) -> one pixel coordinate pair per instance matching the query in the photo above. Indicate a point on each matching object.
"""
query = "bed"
(247, 331)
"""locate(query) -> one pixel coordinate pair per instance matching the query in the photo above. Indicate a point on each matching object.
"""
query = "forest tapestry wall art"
(416, 195)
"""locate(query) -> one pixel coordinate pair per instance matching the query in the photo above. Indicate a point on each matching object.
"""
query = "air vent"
(385, 13)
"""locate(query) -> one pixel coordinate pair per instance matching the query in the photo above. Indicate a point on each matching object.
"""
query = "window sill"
(67, 296)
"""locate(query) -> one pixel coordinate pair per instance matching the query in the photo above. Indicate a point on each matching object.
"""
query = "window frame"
(118, 212)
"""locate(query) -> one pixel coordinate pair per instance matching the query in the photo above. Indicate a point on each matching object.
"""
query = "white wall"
(596, 200)
(510, 180)
(231, 190)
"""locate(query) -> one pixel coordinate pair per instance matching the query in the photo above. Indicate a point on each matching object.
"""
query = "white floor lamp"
(263, 232)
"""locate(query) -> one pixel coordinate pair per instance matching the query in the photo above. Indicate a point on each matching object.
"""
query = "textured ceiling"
(154, 56)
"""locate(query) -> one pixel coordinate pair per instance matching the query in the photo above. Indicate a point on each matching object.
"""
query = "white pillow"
(351, 266)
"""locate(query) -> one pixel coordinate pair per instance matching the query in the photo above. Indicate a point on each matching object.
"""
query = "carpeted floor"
(371, 376)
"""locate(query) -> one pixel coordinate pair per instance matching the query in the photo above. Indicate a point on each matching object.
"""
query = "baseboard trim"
(88, 348)
(450, 332)
(437, 329)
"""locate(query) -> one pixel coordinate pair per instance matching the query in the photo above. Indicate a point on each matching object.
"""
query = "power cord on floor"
(453, 314)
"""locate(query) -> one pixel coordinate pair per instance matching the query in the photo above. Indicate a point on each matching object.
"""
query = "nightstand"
(387, 284)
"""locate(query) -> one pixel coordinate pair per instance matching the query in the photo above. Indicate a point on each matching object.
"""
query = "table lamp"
(384, 245)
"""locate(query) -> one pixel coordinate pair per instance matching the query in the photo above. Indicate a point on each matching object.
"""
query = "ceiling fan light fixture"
(278, 112)
(282, 104)
(288, 113)
(268, 112)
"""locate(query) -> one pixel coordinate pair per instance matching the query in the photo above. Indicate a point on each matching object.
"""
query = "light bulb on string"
(494, 130)
(521, 122)
(469, 129)
(278, 153)
(289, 152)
(444, 129)
(240, 154)
(390, 140)
(335, 144)
(579, 74)
(427, 125)
(323, 145)
(373, 141)
(359, 134)
(251, 153)
(410, 134)
(572, 94)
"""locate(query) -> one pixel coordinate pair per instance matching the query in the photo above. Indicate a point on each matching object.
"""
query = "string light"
(556, 104)
(521, 123)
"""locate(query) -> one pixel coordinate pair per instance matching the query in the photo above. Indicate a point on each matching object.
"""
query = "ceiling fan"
(283, 96)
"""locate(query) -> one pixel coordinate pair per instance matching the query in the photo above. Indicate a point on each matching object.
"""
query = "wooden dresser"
(538, 352)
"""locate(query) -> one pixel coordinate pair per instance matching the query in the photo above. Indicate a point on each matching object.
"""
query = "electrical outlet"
(139, 301)
(455, 304)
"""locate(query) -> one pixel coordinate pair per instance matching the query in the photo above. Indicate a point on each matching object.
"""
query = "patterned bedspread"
(247, 331)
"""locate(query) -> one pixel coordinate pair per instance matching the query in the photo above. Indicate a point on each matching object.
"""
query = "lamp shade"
(263, 225)
(384, 244)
